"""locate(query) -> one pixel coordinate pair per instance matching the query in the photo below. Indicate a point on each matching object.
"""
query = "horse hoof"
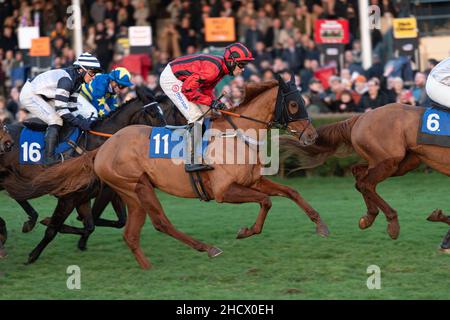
(243, 233)
(28, 226)
(322, 230)
(393, 230)
(214, 252)
(365, 222)
(444, 250)
(45, 221)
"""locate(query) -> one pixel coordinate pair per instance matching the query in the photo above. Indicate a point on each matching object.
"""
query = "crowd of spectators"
(280, 33)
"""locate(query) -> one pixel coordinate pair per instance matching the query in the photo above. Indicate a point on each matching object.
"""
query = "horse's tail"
(73, 175)
(333, 139)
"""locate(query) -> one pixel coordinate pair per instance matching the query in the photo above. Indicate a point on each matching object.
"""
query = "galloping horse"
(6, 143)
(386, 138)
(124, 164)
(16, 177)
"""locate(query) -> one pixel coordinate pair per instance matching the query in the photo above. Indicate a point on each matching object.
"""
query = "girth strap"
(198, 186)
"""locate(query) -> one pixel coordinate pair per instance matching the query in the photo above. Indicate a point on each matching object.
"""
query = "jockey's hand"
(218, 105)
(80, 122)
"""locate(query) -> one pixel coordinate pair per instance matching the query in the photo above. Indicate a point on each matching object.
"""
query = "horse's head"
(151, 106)
(6, 142)
(290, 112)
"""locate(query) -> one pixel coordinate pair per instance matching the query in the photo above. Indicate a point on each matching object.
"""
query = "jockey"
(189, 82)
(51, 96)
(99, 97)
(438, 83)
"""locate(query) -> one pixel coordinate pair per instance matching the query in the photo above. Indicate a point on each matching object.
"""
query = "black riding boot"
(192, 167)
(51, 140)
(446, 241)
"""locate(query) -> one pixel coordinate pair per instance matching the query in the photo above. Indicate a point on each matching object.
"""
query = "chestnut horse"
(124, 164)
(386, 138)
(6, 143)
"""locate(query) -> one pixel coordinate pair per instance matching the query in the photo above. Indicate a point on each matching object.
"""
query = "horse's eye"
(293, 107)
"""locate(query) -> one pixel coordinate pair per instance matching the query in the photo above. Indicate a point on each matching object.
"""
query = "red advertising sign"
(331, 31)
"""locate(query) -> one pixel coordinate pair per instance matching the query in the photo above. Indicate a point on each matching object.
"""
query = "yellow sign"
(405, 28)
(40, 47)
(219, 30)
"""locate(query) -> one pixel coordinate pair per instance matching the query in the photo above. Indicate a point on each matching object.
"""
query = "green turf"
(287, 261)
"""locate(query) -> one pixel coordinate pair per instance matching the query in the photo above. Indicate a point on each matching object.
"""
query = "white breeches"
(38, 107)
(172, 88)
(438, 92)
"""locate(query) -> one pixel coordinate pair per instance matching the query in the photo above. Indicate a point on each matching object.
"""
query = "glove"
(217, 104)
(80, 122)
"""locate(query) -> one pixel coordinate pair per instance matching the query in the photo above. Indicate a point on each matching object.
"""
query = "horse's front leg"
(445, 245)
(274, 189)
(32, 216)
(3, 237)
(239, 194)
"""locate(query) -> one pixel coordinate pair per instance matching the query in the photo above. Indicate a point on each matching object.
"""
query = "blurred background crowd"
(279, 33)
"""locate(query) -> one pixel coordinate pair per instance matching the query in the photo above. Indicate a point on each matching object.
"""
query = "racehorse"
(134, 175)
(16, 177)
(386, 138)
(6, 143)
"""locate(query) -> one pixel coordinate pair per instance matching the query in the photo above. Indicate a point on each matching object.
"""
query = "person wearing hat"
(52, 97)
(99, 97)
(189, 82)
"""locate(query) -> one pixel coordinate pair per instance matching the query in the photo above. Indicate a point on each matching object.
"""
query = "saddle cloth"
(434, 127)
(168, 142)
(32, 144)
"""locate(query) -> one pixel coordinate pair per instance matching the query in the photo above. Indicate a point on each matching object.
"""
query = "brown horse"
(387, 139)
(124, 164)
(6, 143)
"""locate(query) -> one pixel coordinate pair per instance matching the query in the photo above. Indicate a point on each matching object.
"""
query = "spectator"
(345, 102)
(13, 104)
(6, 117)
(141, 14)
(316, 95)
(418, 90)
(253, 35)
(373, 98)
(406, 97)
(294, 55)
(98, 11)
(8, 41)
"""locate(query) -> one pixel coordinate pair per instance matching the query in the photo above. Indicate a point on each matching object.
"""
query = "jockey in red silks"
(189, 82)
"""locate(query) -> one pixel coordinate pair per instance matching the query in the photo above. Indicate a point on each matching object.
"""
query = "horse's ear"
(281, 82)
(145, 94)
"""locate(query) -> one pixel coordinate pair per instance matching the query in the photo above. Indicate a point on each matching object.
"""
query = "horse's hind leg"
(84, 210)
(3, 237)
(62, 211)
(32, 216)
(132, 232)
(271, 188)
(360, 171)
(367, 186)
(105, 196)
(445, 245)
(3, 231)
(149, 201)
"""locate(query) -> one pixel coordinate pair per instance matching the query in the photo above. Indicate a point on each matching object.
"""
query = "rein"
(109, 135)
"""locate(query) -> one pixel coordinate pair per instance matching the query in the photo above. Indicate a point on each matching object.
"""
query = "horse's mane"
(252, 90)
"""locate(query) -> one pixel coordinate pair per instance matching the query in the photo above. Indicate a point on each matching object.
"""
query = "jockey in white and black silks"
(52, 97)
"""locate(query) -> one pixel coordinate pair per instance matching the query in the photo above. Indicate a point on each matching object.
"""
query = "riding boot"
(446, 241)
(51, 140)
(194, 145)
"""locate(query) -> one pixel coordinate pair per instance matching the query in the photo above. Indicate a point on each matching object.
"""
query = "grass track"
(287, 261)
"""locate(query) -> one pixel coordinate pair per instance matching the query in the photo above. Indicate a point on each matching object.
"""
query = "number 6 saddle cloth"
(434, 126)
